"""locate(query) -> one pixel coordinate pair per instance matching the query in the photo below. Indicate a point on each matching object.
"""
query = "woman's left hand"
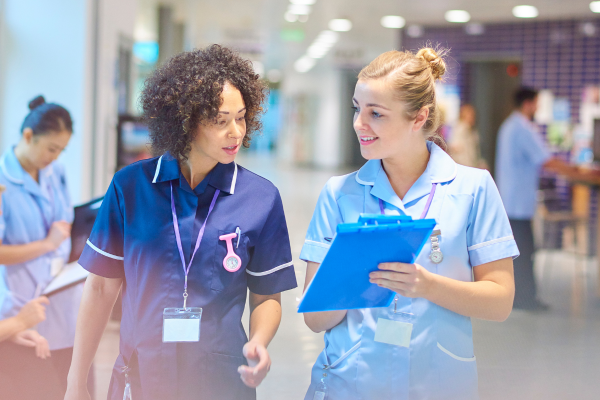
(259, 364)
(30, 338)
(408, 280)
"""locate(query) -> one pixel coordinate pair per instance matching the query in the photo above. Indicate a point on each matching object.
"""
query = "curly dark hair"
(186, 92)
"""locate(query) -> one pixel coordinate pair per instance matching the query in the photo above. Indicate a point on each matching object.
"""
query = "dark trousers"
(525, 287)
(23, 376)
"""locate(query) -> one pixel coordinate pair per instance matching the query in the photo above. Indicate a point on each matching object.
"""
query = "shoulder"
(250, 183)
(471, 180)
(344, 185)
(139, 170)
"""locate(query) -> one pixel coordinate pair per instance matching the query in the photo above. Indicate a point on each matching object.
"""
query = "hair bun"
(38, 101)
(435, 61)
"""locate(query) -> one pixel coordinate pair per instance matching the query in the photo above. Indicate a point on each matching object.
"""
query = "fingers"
(42, 300)
(264, 362)
(374, 277)
(398, 267)
(258, 355)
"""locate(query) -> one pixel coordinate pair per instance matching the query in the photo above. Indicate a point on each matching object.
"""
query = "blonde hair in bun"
(412, 77)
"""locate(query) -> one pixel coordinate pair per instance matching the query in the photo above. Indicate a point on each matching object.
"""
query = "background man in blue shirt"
(521, 153)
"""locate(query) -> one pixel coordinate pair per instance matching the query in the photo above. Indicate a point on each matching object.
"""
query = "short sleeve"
(532, 143)
(489, 235)
(271, 269)
(322, 227)
(103, 253)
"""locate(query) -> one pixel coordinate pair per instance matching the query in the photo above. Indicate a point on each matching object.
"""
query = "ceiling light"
(588, 28)
(303, 2)
(525, 12)
(316, 51)
(393, 22)
(595, 6)
(304, 64)
(340, 25)
(474, 28)
(299, 9)
(457, 16)
(327, 37)
(415, 31)
(302, 18)
(289, 17)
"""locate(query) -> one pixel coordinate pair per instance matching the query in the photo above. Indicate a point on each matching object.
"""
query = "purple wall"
(555, 55)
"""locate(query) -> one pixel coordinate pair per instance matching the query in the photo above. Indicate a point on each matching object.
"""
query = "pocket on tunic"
(457, 374)
(221, 278)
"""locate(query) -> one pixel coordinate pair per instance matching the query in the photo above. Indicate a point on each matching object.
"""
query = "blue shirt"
(520, 154)
(133, 239)
(28, 209)
(440, 363)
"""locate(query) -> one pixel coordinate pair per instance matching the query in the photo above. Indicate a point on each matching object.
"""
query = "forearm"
(265, 316)
(20, 253)
(99, 296)
(10, 327)
(483, 299)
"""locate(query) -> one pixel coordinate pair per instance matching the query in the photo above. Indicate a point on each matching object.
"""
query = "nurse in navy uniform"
(185, 231)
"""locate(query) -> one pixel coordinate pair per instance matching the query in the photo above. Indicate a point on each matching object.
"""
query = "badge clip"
(232, 262)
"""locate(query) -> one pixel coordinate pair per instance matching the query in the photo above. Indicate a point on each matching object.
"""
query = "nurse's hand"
(33, 312)
(30, 338)
(59, 232)
(259, 364)
(408, 280)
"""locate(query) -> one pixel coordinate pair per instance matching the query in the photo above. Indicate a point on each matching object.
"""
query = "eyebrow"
(372, 104)
(227, 112)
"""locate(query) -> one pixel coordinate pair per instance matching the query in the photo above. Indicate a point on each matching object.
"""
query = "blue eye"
(355, 109)
(376, 114)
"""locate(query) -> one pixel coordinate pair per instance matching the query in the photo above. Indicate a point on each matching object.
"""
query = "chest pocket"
(221, 278)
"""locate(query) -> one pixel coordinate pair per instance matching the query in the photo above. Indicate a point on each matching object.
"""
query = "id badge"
(396, 333)
(56, 265)
(181, 324)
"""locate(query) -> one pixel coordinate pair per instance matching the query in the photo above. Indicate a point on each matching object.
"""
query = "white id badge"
(181, 324)
(396, 333)
(56, 265)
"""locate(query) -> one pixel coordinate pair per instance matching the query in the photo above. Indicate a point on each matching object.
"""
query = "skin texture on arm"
(17, 254)
(99, 296)
(265, 316)
(29, 316)
(490, 297)
(320, 321)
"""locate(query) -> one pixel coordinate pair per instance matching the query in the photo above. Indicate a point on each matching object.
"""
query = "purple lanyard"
(47, 224)
(186, 271)
(427, 205)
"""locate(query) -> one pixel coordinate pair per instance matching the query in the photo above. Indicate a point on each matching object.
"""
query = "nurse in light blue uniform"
(421, 347)
(35, 225)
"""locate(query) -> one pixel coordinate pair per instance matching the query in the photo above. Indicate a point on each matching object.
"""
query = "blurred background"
(92, 57)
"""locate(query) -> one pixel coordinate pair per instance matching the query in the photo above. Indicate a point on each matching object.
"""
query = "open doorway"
(491, 85)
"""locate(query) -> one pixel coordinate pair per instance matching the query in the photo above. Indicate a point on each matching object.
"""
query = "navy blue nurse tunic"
(134, 239)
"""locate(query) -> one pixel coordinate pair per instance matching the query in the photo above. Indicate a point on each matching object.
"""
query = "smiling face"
(381, 123)
(220, 140)
(42, 150)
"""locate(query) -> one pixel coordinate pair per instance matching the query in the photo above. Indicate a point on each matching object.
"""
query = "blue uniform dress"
(134, 239)
(440, 362)
(28, 209)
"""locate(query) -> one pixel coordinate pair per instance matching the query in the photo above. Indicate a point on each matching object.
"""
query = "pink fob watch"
(231, 262)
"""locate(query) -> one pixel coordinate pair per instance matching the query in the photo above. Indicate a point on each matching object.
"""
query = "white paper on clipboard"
(70, 275)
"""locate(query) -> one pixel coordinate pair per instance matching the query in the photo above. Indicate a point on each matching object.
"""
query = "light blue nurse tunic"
(27, 208)
(440, 362)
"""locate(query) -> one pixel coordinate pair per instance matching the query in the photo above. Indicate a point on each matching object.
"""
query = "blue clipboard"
(342, 280)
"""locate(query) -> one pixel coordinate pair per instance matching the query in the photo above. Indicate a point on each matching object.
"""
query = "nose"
(236, 132)
(358, 123)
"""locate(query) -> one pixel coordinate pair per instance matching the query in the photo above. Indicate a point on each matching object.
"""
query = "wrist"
(47, 245)
(431, 282)
(20, 324)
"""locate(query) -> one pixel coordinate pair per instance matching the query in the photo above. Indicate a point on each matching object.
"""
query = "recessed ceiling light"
(340, 25)
(474, 28)
(595, 6)
(304, 2)
(289, 17)
(458, 16)
(588, 29)
(525, 12)
(304, 64)
(415, 31)
(299, 9)
(393, 22)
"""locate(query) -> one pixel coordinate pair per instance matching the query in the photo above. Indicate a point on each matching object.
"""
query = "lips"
(367, 140)
(232, 150)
